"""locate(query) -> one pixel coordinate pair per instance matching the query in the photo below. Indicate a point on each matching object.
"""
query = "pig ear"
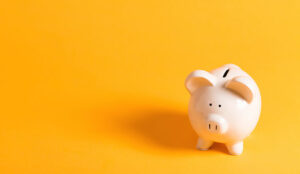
(243, 86)
(199, 78)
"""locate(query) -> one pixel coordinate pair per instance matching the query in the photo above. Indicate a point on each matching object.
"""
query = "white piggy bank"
(224, 107)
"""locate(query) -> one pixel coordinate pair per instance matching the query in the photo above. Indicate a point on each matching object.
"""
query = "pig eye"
(210, 104)
(225, 74)
(219, 106)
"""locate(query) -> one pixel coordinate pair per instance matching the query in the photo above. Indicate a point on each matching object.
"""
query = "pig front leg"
(235, 148)
(203, 144)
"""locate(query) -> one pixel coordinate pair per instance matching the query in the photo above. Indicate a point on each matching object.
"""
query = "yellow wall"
(97, 86)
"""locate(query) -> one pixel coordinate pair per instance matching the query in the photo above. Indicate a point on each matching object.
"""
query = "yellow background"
(98, 86)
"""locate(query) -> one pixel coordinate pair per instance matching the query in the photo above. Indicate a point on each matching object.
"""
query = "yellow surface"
(97, 86)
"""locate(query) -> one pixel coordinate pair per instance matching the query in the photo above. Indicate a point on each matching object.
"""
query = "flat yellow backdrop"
(98, 86)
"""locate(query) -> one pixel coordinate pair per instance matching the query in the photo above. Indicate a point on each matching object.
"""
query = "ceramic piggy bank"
(224, 107)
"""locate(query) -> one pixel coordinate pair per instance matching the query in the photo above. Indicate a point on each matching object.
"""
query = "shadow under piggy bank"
(170, 129)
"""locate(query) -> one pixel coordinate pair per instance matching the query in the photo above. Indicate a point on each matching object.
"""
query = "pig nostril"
(208, 126)
(216, 127)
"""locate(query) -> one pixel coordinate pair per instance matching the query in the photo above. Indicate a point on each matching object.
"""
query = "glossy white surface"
(224, 107)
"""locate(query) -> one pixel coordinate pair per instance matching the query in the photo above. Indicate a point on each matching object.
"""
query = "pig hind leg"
(203, 144)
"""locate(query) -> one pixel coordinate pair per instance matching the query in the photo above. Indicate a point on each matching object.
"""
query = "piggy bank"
(224, 106)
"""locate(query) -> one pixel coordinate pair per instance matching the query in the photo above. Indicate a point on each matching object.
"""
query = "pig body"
(224, 107)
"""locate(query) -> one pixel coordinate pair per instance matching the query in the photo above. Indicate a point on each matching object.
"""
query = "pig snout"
(216, 124)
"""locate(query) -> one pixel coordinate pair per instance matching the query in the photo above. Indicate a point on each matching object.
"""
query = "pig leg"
(235, 148)
(203, 144)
